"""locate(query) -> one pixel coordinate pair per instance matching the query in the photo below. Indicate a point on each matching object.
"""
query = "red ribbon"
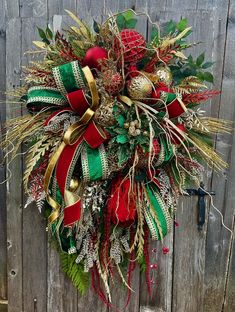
(72, 213)
(121, 204)
(93, 136)
(174, 109)
(78, 101)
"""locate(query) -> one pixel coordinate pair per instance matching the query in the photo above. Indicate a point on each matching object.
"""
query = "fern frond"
(75, 272)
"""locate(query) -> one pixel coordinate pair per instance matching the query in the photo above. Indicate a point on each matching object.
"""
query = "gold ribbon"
(71, 136)
(125, 99)
(92, 86)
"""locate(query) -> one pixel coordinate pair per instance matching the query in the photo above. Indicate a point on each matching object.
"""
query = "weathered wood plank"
(12, 8)
(189, 258)
(218, 238)
(229, 300)
(58, 7)
(161, 278)
(34, 226)
(181, 5)
(89, 10)
(33, 8)
(3, 220)
(90, 301)
(217, 5)
(14, 193)
(57, 298)
(119, 293)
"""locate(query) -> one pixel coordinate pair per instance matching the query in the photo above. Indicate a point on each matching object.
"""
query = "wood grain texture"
(14, 190)
(3, 220)
(229, 295)
(218, 238)
(189, 258)
(34, 226)
(58, 7)
(12, 8)
(90, 10)
(33, 8)
(61, 294)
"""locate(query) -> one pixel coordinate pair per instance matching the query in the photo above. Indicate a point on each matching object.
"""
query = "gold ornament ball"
(104, 113)
(164, 74)
(139, 88)
(74, 183)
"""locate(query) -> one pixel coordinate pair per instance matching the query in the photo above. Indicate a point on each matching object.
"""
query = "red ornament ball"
(132, 45)
(113, 83)
(94, 56)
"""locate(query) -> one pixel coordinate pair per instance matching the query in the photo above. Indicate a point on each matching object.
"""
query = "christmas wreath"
(114, 133)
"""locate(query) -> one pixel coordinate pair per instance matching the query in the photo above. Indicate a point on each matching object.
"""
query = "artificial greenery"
(75, 271)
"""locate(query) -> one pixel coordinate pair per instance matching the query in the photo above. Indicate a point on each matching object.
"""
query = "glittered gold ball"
(164, 74)
(74, 183)
(139, 88)
(104, 113)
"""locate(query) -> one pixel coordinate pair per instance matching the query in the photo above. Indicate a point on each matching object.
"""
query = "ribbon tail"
(47, 178)
(73, 209)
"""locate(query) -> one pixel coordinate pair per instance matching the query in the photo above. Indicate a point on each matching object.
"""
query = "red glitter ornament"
(113, 83)
(132, 45)
(94, 56)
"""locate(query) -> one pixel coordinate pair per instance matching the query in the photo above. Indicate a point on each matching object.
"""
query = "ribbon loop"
(70, 81)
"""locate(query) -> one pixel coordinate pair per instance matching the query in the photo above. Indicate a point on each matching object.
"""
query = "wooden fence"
(199, 272)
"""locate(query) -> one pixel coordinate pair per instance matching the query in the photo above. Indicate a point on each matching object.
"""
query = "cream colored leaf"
(180, 55)
(84, 30)
(39, 44)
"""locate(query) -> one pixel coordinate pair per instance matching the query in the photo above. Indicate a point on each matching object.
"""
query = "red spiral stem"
(97, 287)
(131, 267)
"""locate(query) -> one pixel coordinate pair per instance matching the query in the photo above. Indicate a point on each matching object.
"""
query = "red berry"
(153, 266)
(176, 223)
(165, 250)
